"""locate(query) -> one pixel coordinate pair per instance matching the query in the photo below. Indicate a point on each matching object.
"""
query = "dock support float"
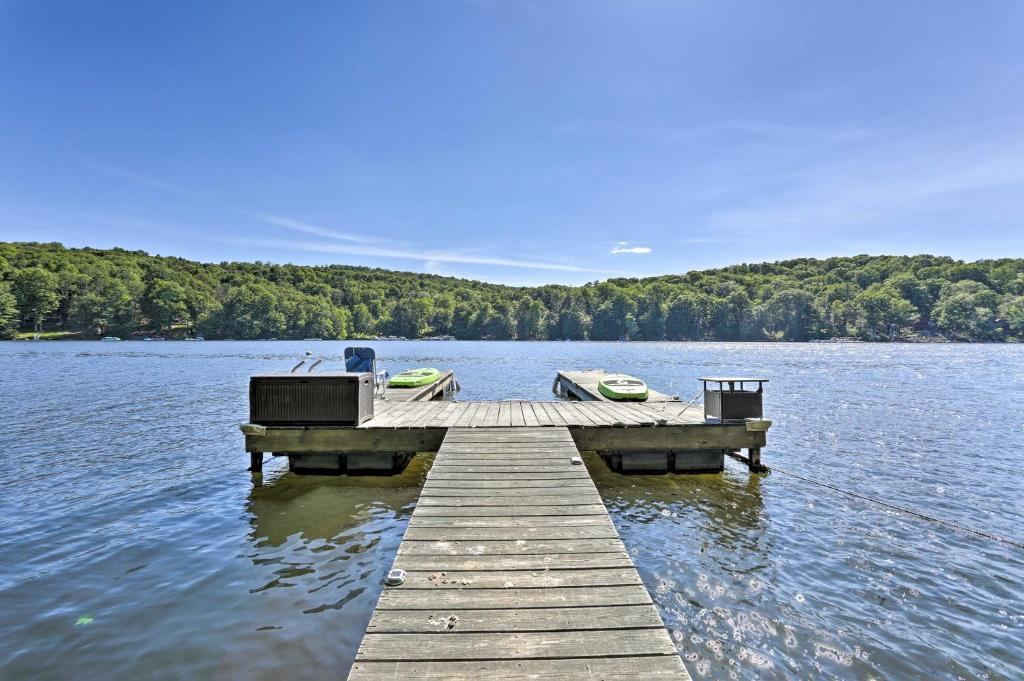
(514, 570)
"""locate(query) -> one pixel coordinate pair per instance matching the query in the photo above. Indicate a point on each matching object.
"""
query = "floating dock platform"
(437, 390)
(582, 385)
(513, 570)
(637, 437)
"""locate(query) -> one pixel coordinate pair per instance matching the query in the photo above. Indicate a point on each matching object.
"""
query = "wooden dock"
(424, 393)
(654, 437)
(513, 568)
(582, 385)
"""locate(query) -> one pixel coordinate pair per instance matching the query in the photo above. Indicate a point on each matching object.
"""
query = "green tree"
(164, 302)
(610, 318)
(573, 324)
(410, 316)
(363, 322)
(248, 311)
(35, 289)
(109, 306)
(883, 310)
(684, 319)
(791, 315)
(967, 309)
(8, 312)
(1011, 312)
(530, 319)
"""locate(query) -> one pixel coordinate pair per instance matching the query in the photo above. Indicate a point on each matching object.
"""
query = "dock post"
(256, 462)
(754, 460)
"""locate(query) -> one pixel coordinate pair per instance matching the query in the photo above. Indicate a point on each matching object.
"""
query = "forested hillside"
(130, 293)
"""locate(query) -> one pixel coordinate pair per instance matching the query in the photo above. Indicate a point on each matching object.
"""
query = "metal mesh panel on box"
(339, 399)
(732, 405)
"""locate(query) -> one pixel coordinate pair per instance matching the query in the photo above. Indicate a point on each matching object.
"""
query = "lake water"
(134, 545)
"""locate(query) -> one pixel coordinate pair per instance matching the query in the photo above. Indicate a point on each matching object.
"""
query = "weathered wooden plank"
(499, 489)
(552, 413)
(505, 448)
(443, 415)
(529, 415)
(516, 414)
(466, 416)
(513, 436)
(558, 561)
(664, 438)
(534, 433)
(491, 416)
(397, 416)
(454, 645)
(510, 597)
(509, 466)
(518, 547)
(418, 533)
(504, 413)
(524, 461)
(512, 478)
(539, 521)
(534, 619)
(341, 440)
(455, 415)
(654, 668)
(521, 579)
(512, 511)
(583, 415)
(535, 500)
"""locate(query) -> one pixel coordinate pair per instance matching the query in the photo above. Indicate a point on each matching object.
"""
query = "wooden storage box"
(324, 399)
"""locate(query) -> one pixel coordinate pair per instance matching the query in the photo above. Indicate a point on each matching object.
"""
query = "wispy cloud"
(624, 247)
(357, 245)
(290, 223)
(734, 131)
(139, 178)
(428, 257)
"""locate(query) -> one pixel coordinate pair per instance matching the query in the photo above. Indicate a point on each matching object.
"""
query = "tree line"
(93, 292)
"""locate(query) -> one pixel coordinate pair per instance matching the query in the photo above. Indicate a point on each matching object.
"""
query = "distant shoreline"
(814, 341)
(87, 293)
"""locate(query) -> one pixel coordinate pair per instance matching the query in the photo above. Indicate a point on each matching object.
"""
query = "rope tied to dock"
(903, 509)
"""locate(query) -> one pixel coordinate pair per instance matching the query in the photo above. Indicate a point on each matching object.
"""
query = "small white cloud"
(630, 249)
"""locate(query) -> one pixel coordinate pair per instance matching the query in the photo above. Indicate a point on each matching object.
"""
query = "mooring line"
(901, 509)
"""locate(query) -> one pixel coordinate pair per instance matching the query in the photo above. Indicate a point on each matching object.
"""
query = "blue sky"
(522, 142)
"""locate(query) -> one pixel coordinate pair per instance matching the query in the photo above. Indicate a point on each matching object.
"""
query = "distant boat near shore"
(110, 339)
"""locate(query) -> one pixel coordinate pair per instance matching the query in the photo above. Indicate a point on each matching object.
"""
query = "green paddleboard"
(622, 387)
(414, 378)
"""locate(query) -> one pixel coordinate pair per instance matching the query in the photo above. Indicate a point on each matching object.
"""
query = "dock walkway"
(514, 570)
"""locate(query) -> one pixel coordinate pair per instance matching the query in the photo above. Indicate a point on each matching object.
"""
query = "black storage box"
(323, 399)
(728, 400)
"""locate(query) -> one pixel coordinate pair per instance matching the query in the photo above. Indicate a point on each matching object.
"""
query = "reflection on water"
(761, 577)
(135, 545)
(320, 546)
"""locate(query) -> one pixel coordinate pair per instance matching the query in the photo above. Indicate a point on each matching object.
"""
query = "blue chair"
(359, 360)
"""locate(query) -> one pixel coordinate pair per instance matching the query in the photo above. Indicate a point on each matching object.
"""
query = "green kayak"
(622, 387)
(414, 378)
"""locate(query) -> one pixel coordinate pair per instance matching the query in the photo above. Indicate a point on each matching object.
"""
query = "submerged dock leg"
(256, 462)
(754, 460)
